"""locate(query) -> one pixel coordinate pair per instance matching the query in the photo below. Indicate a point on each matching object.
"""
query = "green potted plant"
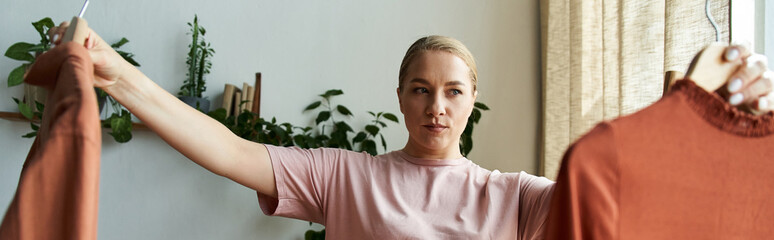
(32, 104)
(199, 64)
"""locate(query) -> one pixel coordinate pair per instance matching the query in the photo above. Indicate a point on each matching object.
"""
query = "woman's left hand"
(751, 87)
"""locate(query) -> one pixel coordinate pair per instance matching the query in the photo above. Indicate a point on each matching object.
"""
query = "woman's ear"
(400, 102)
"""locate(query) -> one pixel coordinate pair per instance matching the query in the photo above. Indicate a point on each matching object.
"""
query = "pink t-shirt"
(396, 196)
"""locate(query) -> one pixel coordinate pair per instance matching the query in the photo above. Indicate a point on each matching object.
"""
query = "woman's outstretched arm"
(194, 134)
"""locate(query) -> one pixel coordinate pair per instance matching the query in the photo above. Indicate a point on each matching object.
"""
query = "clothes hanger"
(79, 28)
(708, 69)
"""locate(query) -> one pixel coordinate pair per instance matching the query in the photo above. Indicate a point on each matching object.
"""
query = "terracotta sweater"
(58, 188)
(689, 166)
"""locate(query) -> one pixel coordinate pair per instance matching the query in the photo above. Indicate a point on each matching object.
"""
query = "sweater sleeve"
(585, 201)
(58, 192)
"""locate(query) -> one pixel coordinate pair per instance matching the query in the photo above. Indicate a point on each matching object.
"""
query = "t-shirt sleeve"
(534, 200)
(303, 177)
(585, 200)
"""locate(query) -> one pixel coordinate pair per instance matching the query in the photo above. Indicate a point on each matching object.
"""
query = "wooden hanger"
(79, 28)
(77, 32)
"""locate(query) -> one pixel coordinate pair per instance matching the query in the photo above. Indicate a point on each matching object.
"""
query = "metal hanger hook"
(712, 20)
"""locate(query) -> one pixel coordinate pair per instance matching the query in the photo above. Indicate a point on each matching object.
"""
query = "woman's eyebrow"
(420, 81)
(455, 83)
(449, 83)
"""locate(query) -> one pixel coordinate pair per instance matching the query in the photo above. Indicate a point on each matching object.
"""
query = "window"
(753, 21)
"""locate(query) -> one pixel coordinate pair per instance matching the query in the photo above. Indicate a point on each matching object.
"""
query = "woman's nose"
(437, 106)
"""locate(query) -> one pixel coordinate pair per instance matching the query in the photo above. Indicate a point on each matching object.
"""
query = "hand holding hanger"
(741, 77)
(751, 86)
(748, 81)
(109, 67)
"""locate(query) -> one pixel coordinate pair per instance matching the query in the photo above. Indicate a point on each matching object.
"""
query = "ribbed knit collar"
(722, 115)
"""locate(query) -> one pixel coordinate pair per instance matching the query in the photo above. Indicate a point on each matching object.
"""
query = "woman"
(426, 190)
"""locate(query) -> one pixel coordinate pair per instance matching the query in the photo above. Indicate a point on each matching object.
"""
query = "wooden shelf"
(15, 116)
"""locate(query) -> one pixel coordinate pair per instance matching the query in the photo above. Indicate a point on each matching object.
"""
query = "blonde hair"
(438, 43)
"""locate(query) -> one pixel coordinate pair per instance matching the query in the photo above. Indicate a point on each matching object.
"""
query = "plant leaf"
(42, 27)
(16, 76)
(391, 117)
(30, 135)
(480, 105)
(118, 123)
(373, 130)
(344, 127)
(372, 113)
(322, 138)
(323, 116)
(476, 115)
(128, 57)
(39, 106)
(20, 51)
(333, 92)
(343, 110)
(25, 110)
(121, 137)
(359, 137)
(468, 129)
(300, 141)
(218, 114)
(468, 145)
(34, 126)
(121, 126)
(100, 93)
(120, 43)
(312, 106)
(369, 146)
(384, 143)
(37, 48)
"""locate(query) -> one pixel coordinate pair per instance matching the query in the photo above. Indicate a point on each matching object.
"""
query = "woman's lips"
(435, 127)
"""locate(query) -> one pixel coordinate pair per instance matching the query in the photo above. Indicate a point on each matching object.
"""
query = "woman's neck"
(436, 154)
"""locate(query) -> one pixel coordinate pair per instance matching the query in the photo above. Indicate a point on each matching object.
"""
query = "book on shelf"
(243, 102)
(256, 104)
(228, 98)
(249, 99)
(236, 100)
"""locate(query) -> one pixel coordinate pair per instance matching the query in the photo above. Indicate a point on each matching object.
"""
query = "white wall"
(149, 191)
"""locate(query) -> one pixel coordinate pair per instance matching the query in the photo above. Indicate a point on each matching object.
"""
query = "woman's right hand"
(109, 66)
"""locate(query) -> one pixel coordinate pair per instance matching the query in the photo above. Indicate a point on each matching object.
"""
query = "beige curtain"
(603, 59)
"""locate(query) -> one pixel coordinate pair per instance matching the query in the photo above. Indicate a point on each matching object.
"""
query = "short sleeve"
(534, 202)
(302, 177)
(585, 200)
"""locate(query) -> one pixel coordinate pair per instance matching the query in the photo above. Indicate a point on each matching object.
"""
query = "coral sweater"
(58, 188)
(689, 166)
